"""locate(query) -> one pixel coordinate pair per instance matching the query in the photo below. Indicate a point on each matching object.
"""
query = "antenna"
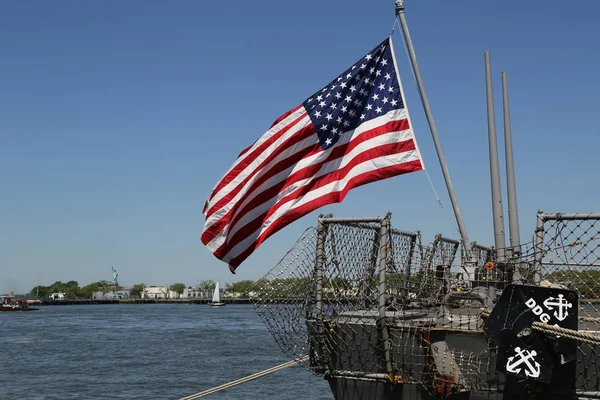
(511, 187)
(499, 239)
(471, 261)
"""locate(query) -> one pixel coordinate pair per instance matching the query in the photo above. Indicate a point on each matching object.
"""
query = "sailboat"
(216, 299)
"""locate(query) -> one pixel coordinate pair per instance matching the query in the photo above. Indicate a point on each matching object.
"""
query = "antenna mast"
(470, 267)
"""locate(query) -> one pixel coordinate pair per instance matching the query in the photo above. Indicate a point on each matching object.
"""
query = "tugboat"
(7, 303)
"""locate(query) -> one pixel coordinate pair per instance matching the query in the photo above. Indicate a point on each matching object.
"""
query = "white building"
(57, 296)
(158, 292)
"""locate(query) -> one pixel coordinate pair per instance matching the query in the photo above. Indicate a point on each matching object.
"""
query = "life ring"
(489, 265)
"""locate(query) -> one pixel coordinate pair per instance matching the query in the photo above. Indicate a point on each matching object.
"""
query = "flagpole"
(436, 140)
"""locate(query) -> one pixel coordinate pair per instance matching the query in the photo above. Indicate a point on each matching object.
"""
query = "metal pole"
(499, 239)
(319, 262)
(511, 187)
(383, 259)
(433, 129)
(538, 251)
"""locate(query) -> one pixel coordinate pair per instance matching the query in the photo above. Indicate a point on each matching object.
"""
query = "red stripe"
(330, 198)
(251, 227)
(312, 170)
(255, 153)
(284, 164)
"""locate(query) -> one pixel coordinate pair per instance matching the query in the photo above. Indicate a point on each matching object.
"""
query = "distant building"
(158, 292)
(57, 296)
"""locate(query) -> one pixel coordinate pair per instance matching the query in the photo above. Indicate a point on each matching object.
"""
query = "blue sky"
(118, 117)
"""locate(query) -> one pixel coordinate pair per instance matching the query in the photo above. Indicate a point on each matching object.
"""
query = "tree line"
(72, 290)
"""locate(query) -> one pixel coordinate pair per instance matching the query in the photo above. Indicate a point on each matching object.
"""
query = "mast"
(499, 239)
(434, 135)
(511, 187)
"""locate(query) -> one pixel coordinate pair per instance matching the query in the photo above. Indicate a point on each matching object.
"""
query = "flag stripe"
(315, 186)
(253, 241)
(277, 131)
(250, 189)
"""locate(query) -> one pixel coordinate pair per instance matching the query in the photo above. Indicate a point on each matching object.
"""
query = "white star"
(348, 98)
(346, 123)
(363, 66)
(375, 96)
(353, 88)
(363, 92)
(328, 94)
(362, 116)
(349, 75)
(334, 130)
(333, 105)
(339, 78)
(319, 97)
(378, 72)
(328, 117)
(394, 102)
(338, 120)
(352, 113)
(317, 114)
(328, 142)
(357, 102)
(368, 57)
(378, 109)
(377, 59)
(333, 87)
(338, 95)
(344, 109)
(354, 66)
(322, 104)
(384, 62)
(390, 89)
(372, 70)
(367, 80)
(323, 127)
(385, 100)
(381, 86)
(309, 100)
(369, 107)
(388, 76)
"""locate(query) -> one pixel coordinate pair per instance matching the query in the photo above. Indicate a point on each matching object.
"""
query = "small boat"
(9, 304)
(216, 300)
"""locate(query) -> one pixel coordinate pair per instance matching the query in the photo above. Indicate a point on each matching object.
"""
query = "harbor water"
(144, 351)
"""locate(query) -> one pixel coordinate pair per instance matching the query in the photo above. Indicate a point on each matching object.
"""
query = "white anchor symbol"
(562, 305)
(525, 357)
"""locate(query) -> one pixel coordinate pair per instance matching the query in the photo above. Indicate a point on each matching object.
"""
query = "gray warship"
(381, 315)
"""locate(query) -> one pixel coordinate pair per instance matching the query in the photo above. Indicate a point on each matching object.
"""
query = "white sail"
(216, 298)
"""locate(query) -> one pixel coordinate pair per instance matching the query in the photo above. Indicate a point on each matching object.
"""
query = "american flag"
(354, 131)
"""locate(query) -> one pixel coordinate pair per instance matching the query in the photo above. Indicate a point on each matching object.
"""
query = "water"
(149, 351)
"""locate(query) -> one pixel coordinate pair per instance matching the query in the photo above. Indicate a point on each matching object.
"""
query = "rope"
(245, 379)
(568, 333)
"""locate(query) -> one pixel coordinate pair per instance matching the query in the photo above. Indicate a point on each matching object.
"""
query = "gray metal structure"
(432, 127)
(511, 186)
(499, 238)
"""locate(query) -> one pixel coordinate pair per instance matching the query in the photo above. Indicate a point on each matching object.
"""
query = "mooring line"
(245, 379)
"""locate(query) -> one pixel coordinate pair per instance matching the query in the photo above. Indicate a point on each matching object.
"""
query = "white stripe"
(217, 215)
(336, 186)
(270, 133)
